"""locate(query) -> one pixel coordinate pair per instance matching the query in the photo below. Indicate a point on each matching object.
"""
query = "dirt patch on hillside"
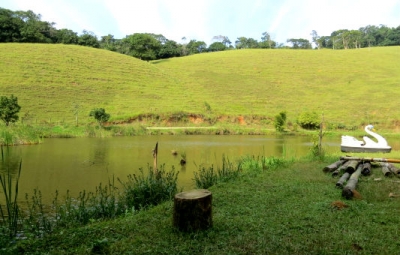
(195, 119)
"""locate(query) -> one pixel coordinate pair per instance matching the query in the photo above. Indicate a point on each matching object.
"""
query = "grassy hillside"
(51, 80)
(350, 87)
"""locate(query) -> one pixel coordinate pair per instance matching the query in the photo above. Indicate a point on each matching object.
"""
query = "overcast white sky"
(203, 19)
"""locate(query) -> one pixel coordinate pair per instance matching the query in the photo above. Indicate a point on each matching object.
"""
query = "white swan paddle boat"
(351, 144)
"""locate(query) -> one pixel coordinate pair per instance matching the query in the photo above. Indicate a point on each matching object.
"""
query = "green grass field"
(349, 87)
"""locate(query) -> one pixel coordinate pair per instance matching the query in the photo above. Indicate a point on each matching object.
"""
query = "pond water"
(78, 164)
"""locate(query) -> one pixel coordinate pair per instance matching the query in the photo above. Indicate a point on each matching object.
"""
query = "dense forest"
(27, 27)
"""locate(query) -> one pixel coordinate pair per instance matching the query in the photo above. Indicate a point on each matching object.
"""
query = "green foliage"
(207, 176)
(280, 121)
(88, 39)
(9, 109)
(148, 190)
(100, 115)
(308, 120)
(142, 46)
(217, 46)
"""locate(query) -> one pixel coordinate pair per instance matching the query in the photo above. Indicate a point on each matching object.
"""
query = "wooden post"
(193, 210)
(348, 190)
(155, 151)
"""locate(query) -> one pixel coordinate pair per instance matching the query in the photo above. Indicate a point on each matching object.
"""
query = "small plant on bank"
(100, 116)
(280, 121)
(309, 120)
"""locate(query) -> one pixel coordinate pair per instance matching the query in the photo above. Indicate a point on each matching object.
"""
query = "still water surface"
(83, 163)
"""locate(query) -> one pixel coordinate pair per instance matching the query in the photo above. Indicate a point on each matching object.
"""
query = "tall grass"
(9, 184)
(147, 190)
(19, 134)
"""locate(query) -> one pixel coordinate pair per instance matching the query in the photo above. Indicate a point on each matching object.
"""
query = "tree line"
(27, 27)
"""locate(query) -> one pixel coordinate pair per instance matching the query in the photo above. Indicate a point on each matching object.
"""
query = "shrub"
(308, 120)
(280, 121)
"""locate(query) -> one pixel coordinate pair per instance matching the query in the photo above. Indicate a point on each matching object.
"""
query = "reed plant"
(10, 214)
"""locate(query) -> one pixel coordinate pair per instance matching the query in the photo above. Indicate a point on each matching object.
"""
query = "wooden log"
(388, 160)
(332, 167)
(342, 180)
(394, 169)
(385, 169)
(341, 169)
(348, 190)
(366, 168)
(193, 210)
(352, 166)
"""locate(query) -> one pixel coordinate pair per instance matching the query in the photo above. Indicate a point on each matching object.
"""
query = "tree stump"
(193, 210)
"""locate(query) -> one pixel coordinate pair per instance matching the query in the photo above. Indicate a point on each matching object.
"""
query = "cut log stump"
(193, 210)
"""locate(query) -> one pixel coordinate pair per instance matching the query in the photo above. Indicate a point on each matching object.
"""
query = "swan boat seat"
(351, 144)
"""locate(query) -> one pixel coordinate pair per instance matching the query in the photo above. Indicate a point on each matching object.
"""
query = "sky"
(202, 20)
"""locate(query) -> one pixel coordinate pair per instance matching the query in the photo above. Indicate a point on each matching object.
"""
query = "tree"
(316, 39)
(169, 49)
(266, 41)
(108, 42)
(217, 46)
(143, 46)
(195, 47)
(10, 26)
(88, 38)
(100, 115)
(246, 43)
(300, 43)
(9, 108)
(66, 36)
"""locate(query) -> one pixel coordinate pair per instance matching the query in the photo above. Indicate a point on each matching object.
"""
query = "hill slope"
(348, 86)
(50, 81)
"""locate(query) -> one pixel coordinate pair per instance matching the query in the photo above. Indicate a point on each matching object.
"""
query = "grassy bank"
(288, 209)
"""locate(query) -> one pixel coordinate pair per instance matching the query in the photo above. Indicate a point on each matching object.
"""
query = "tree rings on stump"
(193, 210)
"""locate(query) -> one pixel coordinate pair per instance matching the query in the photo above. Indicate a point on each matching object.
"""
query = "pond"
(79, 164)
